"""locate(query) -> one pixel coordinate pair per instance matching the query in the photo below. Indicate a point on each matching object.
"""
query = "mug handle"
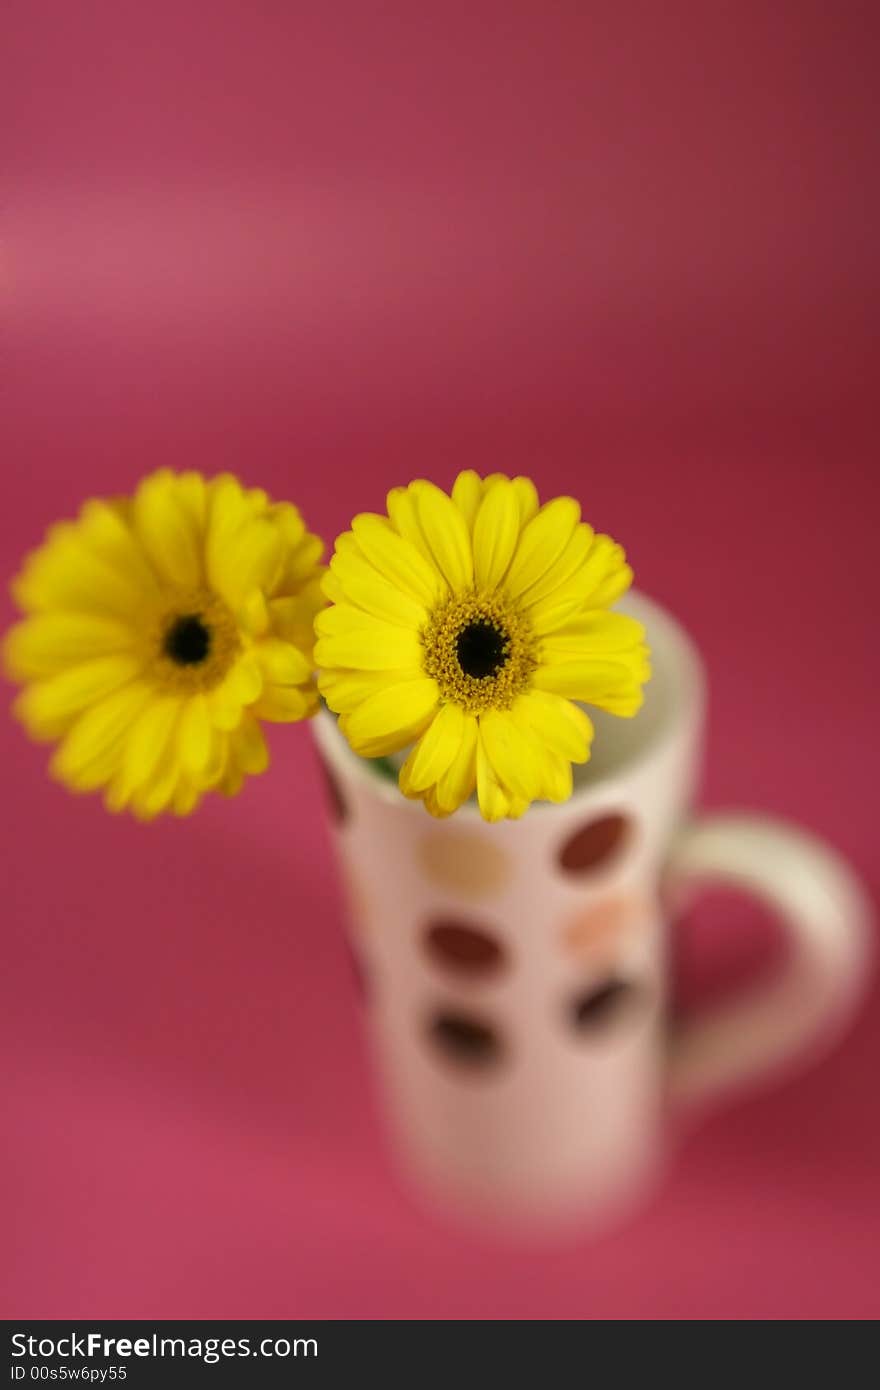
(824, 912)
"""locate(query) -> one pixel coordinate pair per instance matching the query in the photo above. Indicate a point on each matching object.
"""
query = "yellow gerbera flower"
(468, 626)
(161, 628)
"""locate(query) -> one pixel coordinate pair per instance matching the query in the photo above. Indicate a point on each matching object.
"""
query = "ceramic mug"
(517, 972)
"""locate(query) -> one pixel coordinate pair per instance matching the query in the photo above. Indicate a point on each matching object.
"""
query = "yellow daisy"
(160, 630)
(468, 626)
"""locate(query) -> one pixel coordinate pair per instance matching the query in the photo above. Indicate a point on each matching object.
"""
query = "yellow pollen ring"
(223, 646)
(517, 656)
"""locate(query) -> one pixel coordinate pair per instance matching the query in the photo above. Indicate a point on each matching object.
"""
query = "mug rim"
(678, 650)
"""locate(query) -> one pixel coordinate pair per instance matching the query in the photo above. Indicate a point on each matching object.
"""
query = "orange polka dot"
(600, 927)
(463, 862)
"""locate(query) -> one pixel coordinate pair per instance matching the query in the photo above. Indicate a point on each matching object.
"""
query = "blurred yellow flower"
(160, 630)
(468, 626)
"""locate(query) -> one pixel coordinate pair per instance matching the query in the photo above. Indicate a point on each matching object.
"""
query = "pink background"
(627, 248)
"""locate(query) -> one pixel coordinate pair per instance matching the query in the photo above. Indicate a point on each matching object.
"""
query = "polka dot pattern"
(462, 861)
(465, 1040)
(603, 1007)
(461, 948)
(599, 928)
(595, 845)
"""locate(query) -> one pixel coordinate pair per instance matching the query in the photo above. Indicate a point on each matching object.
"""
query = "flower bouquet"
(162, 629)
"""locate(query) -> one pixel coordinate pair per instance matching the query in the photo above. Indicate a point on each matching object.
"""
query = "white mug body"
(517, 972)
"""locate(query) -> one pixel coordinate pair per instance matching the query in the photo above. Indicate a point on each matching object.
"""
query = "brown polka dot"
(463, 861)
(467, 1041)
(595, 844)
(603, 1006)
(463, 948)
(603, 923)
(335, 800)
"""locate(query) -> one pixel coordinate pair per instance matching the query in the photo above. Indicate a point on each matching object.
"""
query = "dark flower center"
(481, 649)
(188, 640)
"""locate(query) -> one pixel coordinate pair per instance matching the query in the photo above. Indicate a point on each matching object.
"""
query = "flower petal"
(248, 746)
(467, 493)
(66, 574)
(49, 642)
(284, 704)
(605, 575)
(228, 512)
(432, 805)
(496, 532)
(218, 763)
(541, 542)
(527, 496)
(281, 662)
(108, 535)
(155, 795)
(195, 735)
(192, 497)
(613, 586)
(186, 798)
(253, 560)
(92, 751)
(364, 586)
(149, 745)
(566, 566)
(460, 778)
(253, 615)
(166, 531)
(434, 751)
(299, 564)
(493, 799)
(537, 771)
(513, 754)
(376, 647)
(241, 686)
(447, 534)
(293, 617)
(404, 517)
(611, 685)
(332, 589)
(345, 690)
(231, 782)
(596, 633)
(48, 707)
(555, 613)
(291, 523)
(395, 715)
(343, 618)
(557, 781)
(398, 560)
(562, 727)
